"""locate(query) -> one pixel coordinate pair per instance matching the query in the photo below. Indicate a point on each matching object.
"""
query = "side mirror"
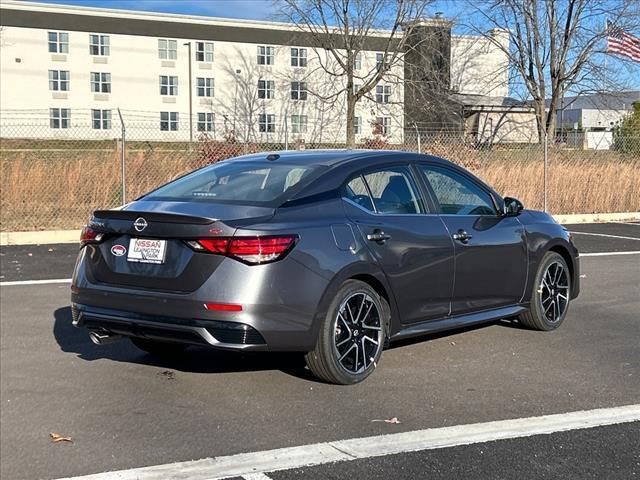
(512, 207)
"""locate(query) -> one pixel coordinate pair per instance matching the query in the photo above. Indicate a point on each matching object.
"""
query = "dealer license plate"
(147, 250)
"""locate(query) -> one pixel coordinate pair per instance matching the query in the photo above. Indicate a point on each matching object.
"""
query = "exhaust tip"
(101, 338)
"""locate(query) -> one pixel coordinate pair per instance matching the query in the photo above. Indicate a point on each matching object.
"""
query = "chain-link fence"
(54, 174)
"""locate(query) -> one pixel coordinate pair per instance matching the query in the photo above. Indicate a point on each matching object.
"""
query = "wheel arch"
(565, 253)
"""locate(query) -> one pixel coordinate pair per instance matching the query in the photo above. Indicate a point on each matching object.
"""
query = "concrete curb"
(73, 236)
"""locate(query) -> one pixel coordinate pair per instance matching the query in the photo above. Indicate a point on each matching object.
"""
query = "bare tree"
(341, 29)
(553, 45)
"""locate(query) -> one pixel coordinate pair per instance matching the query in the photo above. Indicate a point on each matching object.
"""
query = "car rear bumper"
(216, 333)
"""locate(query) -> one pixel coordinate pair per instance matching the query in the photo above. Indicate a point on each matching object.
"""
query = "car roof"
(330, 157)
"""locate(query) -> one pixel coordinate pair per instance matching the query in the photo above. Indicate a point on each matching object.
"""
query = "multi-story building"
(71, 70)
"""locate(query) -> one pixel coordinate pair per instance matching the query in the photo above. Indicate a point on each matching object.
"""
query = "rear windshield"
(237, 182)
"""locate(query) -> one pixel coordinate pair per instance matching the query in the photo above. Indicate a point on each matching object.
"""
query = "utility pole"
(188, 45)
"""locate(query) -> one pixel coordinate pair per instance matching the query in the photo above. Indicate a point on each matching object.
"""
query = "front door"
(490, 249)
(413, 249)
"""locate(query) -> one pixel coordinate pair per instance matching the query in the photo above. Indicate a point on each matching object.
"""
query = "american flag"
(622, 43)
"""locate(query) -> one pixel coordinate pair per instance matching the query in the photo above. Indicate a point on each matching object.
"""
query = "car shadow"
(195, 359)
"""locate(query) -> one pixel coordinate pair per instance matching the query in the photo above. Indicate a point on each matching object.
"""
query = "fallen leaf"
(50, 250)
(29, 254)
(56, 437)
(452, 343)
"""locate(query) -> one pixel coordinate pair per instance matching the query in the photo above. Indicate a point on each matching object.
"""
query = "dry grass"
(58, 189)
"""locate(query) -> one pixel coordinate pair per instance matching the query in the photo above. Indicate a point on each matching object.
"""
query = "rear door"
(414, 250)
(490, 249)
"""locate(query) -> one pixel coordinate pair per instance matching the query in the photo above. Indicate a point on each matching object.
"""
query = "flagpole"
(606, 48)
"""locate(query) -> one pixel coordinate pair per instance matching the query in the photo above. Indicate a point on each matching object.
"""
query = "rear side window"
(236, 182)
(393, 191)
(456, 194)
(357, 193)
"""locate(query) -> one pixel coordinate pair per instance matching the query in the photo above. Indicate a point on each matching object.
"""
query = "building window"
(298, 90)
(298, 124)
(265, 55)
(356, 88)
(357, 125)
(205, 87)
(101, 119)
(357, 61)
(381, 61)
(266, 89)
(58, 42)
(382, 126)
(298, 57)
(206, 122)
(168, 121)
(100, 82)
(204, 51)
(167, 49)
(383, 92)
(59, 80)
(99, 45)
(168, 85)
(266, 123)
(59, 117)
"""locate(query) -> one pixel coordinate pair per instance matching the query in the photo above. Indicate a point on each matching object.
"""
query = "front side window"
(266, 123)
(393, 191)
(266, 89)
(205, 87)
(298, 57)
(167, 49)
(204, 51)
(59, 80)
(168, 85)
(169, 121)
(383, 93)
(265, 55)
(456, 194)
(101, 119)
(58, 42)
(59, 117)
(99, 45)
(298, 90)
(298, 123)
(100, 82)
(206, 122)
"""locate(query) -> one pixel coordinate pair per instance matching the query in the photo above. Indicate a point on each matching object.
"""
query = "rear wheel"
(550, 296)
(352, 335)
(158, 348)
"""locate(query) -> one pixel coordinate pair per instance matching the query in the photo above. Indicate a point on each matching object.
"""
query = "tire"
(158, 348)
(345, 352)
(550, 296)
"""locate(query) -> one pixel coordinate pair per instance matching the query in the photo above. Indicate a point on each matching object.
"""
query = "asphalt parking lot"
(123, 409)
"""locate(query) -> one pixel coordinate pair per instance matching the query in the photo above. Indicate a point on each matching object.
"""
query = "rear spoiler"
(151, 216)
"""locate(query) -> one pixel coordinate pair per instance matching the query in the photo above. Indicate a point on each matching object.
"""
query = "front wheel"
(550, 296)
(352, 335)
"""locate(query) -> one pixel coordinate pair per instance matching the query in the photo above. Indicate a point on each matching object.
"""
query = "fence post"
(418, 136)
(286, 133)
(545, 168)
(123, 158)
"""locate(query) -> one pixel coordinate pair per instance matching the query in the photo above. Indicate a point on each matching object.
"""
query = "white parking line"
(606, 235)
(256, 476)
(36, 282)
(606, 254)
(247, 464)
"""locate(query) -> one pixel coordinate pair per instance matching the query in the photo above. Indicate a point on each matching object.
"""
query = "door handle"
(462, 236)
(378, 236)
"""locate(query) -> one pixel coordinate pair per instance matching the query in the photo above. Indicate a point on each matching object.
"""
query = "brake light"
(251, 250)
(89, 235)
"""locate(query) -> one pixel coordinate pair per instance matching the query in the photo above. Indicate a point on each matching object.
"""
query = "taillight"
(251, 250)
(89, 235)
